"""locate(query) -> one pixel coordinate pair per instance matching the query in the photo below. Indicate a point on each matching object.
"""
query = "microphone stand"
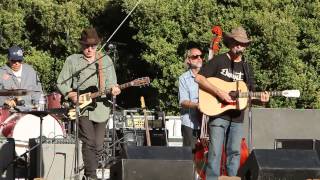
(250, 138)
(76, 163)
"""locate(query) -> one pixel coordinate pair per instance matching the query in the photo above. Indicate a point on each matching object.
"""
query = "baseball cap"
(15, 53)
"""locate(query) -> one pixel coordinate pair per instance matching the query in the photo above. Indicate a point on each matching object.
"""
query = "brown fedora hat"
(89, 36)
(238, 34)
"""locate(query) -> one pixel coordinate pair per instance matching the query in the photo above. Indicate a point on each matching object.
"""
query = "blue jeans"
(218, 128)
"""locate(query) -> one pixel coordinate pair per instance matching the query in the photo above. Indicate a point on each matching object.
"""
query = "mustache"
(238, 52)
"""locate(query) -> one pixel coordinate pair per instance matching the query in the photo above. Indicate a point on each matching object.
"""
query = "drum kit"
(24, 125)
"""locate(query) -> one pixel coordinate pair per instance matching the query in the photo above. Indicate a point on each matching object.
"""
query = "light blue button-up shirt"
(189, 90)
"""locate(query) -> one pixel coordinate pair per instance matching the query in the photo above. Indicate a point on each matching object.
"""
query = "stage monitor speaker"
(294, 144)
(154, 162)
(57, 160)
(7, 154)
(289, 164)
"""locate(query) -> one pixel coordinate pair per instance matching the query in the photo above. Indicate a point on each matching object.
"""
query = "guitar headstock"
(291, 93)
(143, 81)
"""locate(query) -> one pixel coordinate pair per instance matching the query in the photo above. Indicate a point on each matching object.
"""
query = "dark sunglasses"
(93, 46)
(196, 56)
(15, 61)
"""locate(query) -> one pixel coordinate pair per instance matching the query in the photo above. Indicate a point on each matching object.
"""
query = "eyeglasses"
(193, 57)
(241, 44)
(93, 46)
(15, 61)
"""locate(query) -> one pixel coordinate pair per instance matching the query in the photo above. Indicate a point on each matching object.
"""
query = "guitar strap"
(100, 66)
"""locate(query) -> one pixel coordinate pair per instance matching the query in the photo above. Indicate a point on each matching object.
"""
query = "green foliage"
(285, 52)
(48, 31)
(46, 66)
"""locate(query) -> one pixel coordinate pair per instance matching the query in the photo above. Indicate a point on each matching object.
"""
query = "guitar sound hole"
(234, 94)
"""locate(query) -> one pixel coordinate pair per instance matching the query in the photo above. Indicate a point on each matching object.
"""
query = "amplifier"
(294, 144)
(139, 123)
(57, 160)
(7, 153)
(138, 137)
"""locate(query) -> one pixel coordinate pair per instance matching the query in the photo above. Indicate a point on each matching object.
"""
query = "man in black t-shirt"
(226, 128)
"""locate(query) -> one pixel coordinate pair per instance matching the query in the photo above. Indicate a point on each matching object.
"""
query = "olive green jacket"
(88, 78)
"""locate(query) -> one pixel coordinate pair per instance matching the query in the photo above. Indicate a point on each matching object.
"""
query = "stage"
(285, 143)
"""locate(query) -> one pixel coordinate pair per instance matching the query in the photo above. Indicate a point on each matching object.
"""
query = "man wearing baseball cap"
(18, 75)
(226, 128)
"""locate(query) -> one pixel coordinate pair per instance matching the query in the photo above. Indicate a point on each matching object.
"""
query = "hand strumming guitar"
(73, 96)
(224, 96)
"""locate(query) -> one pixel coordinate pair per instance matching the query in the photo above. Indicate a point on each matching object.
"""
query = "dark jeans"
(92, 136)
(190, 136)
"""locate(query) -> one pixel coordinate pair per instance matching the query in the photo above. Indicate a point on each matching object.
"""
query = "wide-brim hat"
(238, 34)
(89, 36)
(15, 53)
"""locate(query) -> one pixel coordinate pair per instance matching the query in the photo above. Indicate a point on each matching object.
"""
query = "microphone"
(111, 46)
(117, 43)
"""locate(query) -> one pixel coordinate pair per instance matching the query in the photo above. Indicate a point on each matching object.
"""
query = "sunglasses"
(93, 46)
(193, 57)
(15, 61)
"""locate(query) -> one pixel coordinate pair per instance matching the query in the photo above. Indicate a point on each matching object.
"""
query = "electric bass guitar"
(211, 106)
(87, 97)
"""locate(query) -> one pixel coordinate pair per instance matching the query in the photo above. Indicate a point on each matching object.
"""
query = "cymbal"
(13, 92)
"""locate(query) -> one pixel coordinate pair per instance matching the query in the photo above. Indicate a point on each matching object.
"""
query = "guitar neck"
(108, 91)
(258, 94)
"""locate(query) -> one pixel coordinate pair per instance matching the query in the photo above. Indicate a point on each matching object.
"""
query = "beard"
(195, 65)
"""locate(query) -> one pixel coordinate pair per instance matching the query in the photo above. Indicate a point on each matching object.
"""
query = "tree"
(284, 54)
(279, 54)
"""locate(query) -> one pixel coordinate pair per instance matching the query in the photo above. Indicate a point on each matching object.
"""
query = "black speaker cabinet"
(137, 137)
(154, 162)
(294, 144)
(57, 160)
(289, 164)
(7, 153)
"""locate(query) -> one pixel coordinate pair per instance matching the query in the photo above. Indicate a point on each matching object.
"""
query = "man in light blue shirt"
(188, 98)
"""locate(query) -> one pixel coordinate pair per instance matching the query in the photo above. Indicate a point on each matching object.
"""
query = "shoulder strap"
(101, 79)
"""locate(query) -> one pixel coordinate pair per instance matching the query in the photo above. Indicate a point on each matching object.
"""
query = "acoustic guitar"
(211, 105)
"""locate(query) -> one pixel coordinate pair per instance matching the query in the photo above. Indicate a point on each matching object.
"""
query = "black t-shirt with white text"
(223, 68)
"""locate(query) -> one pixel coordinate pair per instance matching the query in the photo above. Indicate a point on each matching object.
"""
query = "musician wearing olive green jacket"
(96, 75)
